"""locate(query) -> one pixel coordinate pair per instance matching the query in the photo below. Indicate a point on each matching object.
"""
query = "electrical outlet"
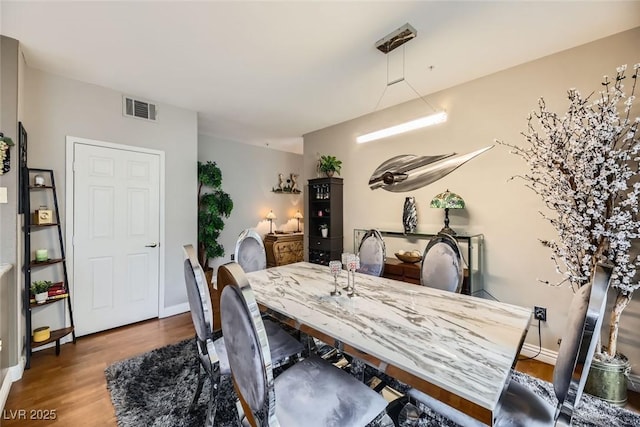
(540, 313)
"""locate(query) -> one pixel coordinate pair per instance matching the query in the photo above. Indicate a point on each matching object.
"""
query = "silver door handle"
(152, 245)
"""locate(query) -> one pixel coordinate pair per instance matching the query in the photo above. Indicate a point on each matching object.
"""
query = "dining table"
(456, 348)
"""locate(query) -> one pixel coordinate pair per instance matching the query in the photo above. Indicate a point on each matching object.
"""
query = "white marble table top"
(462, 344)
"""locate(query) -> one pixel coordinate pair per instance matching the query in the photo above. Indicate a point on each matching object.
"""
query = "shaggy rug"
(155, 390)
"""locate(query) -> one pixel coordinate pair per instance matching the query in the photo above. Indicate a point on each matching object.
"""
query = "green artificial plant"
(7, 140)
(40, 286)
(213, 206)
(330, 164)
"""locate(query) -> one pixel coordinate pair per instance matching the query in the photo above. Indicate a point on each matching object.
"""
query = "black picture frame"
(23, 182)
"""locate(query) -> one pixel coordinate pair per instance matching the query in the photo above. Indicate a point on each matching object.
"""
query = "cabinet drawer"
(327, 244)
(393, 270)
(412, 273)
(284, 247)
(413, 281)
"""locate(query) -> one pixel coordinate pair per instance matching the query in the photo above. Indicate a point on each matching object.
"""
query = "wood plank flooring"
(73, 384)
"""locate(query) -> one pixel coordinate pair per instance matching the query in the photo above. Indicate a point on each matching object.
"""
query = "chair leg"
(213, 403)
(357, 369)
(214, 395)
(196, 396)
(308, 343)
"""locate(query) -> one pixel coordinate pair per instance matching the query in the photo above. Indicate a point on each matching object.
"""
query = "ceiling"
(267, 72)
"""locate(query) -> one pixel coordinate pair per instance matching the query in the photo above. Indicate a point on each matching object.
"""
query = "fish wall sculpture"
(409, 172)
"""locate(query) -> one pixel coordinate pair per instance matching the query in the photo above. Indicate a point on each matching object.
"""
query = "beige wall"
(507, 213)
(10, 76)
(56, 107)
(249, 173)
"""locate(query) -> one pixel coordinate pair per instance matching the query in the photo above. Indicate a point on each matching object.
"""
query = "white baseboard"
(546, 356)
(14, 373)
(174, 309)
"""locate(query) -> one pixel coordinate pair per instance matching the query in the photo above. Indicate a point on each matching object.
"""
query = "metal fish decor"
(408, 172)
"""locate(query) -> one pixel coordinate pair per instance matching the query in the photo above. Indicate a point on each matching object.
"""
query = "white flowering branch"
(585, 167)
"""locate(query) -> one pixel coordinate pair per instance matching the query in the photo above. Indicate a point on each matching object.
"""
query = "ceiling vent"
(139, 109)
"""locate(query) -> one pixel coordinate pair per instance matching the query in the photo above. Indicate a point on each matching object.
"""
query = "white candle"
(42, 255)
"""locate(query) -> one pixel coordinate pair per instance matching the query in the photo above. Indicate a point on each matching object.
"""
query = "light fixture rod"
(425, 121)
(388, 43)
(398, 80)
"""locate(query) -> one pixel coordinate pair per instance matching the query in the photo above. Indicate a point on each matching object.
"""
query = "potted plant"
(213, 205)
(324, 230)
(584, 166)
(330, 165)
(40, 289)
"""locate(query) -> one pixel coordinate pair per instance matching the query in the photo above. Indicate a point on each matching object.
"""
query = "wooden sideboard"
(410, 273)
(283, 248)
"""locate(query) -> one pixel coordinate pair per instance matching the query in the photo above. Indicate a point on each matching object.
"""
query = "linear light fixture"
(422, 122)
(388, 43)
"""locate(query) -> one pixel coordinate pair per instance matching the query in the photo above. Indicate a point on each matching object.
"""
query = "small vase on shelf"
(410, 215)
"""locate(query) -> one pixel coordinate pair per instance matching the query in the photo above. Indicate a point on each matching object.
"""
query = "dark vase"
(410, 215)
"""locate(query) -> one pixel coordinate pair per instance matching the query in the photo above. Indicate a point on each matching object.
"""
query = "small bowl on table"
(408, 258)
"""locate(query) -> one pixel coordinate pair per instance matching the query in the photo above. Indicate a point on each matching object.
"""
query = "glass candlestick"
(345, 263)
(335, 267)
(353, 265)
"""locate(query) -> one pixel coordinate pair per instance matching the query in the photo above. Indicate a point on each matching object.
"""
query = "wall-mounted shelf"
(277, 191)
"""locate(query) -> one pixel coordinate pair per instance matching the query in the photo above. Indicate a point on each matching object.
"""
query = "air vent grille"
(139, 109)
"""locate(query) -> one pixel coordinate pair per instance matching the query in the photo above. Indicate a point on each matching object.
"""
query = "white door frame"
(69, 208)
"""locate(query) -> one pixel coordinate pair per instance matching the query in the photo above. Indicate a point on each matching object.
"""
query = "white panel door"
(116, 231)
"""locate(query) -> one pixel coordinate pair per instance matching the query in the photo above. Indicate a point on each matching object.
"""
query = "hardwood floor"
(74, 386)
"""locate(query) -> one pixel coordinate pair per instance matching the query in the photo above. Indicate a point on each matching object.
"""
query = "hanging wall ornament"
(410, 215)
(408, 172)
(5, 158)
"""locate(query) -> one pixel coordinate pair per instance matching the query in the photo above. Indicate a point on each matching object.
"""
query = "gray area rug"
(155, 390)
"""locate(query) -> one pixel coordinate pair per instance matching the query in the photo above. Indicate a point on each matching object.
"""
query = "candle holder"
(335, 267)
(353, 265)
(345, 263)
(42, 255)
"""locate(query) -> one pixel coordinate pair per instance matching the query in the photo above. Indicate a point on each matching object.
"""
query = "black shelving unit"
(325, 209)
(30, 263)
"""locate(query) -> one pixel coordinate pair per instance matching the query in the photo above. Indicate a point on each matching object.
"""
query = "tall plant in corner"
(213, 205)
(585, 167)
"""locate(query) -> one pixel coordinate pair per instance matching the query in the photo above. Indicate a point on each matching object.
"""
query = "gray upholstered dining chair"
(212, 354)
(372, 253)
(442, 264)
(312, 392)
(520, 407)
(250, 252)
